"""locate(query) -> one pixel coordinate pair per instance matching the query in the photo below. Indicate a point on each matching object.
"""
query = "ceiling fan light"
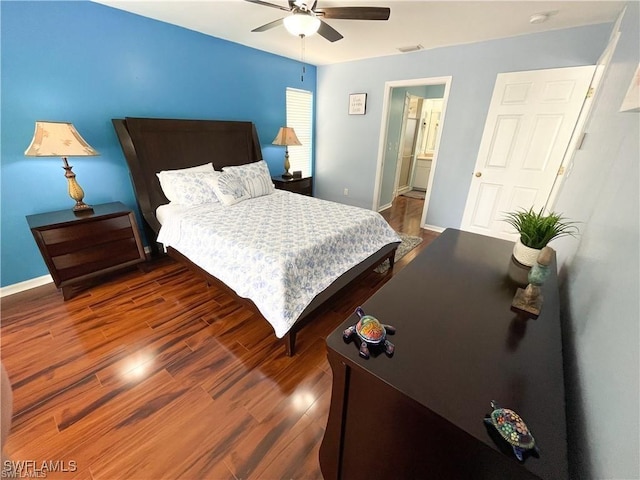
(302, 24)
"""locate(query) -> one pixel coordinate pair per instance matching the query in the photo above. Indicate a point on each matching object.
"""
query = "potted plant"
(536, 230)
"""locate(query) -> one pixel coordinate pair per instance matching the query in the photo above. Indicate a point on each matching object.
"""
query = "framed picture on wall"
(357, 103)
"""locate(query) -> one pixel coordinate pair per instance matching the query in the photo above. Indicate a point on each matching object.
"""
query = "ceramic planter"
(524, 255)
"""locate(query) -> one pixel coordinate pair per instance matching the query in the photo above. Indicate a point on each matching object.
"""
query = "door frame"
(579, 134)
(388, 86)
(575, 142)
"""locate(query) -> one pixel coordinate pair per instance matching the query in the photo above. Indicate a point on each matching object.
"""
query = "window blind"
(300, 117)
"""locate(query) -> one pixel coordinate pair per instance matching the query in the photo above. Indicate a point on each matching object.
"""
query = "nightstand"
(77, 247)
(304, 185)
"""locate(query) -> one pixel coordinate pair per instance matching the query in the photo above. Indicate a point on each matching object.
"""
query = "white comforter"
(279, 250)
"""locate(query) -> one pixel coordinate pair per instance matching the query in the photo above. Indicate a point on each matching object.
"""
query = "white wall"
(601, 291)
(601, 294)
(347, 145)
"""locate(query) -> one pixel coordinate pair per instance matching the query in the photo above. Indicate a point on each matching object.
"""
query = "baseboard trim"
(384, 207)
(26, 285)
(433, 228)
(37, 282)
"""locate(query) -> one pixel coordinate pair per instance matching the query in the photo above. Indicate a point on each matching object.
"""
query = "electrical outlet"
(346, 192)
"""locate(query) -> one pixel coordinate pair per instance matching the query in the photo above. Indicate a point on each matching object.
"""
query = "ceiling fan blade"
(268, 26)
(267, 4)
(328, 32)
(355, 13)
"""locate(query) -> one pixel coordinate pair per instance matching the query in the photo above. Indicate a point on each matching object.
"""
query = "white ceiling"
(428, 23)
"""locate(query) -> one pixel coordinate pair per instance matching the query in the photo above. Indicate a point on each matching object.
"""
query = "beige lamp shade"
(61, 139)
(286, 136)
(58, 139)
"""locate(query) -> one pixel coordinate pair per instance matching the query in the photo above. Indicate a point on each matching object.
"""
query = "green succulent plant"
(537, 229)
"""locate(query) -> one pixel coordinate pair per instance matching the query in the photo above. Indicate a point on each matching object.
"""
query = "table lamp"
(61, 139)
(286, 136)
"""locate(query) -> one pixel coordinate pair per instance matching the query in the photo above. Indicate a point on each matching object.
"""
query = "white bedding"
(279, 250)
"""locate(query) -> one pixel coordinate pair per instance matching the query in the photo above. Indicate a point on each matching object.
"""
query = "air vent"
(412, 48)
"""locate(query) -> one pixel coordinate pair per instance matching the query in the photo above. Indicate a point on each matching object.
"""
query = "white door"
(408, 143)
(403, 128)
(531, 118)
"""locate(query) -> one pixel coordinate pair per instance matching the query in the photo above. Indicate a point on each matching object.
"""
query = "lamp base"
(287, 175)
(74, 189)
(82, 207)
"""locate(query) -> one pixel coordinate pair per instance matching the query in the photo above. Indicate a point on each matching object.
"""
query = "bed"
(154, 145)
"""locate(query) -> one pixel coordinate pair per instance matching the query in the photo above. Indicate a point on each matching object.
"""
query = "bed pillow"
(193, 188)
(255, 178)
(166, 178)
(230, 189)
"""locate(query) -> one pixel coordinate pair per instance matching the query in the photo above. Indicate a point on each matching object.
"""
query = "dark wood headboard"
(153, 144)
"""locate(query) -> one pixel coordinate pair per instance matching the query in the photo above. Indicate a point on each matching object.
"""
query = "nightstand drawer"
(66, 239)
(95, 258)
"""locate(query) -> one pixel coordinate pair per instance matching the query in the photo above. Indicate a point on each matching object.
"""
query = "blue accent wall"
(86, 63)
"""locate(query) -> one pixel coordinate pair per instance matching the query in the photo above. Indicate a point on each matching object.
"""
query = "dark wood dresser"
(419, 414)
(77, 247)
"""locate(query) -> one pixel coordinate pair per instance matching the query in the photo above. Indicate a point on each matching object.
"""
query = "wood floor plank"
(253, 454)
(36, 407)
(318, 409)
(222, 321)
(132, 436)
(38, 440)
(37, 379)
(300, 377)
(151, 374)
(150, 354)
(299, 459)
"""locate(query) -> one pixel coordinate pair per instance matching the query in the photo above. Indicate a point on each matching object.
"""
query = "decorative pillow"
(193, 188)
(230, 189)
(166, 177)
(255, 177)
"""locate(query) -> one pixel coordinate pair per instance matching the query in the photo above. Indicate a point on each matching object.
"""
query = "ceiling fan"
(306, 20)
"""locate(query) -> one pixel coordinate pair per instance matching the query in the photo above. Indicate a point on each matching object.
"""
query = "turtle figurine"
(512, 428)
(370, 333)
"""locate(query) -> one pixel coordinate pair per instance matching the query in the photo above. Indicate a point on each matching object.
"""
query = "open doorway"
(420, 124)
(412, 121)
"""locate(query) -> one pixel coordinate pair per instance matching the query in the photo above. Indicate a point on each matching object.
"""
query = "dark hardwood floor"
(150, 374)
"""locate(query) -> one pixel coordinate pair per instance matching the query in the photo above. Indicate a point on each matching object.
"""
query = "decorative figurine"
(513, 429)
(528, 301)
(369, 332)
(540, 271)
